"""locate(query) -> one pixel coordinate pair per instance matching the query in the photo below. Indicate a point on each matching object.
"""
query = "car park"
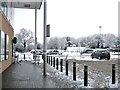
(101, 54)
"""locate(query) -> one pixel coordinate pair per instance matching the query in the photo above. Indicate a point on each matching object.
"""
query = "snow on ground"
(95, 79)
(29, 56)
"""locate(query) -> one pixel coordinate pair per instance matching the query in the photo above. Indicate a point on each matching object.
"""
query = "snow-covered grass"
(96, 79)
(99, 72)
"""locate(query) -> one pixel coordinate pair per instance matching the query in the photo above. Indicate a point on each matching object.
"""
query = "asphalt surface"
(26, 75)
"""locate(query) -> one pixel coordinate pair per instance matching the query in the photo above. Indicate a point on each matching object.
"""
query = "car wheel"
(92, 57)
(108, 58)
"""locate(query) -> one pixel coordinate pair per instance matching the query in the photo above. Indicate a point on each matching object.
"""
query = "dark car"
(101, 54)
(115, 49)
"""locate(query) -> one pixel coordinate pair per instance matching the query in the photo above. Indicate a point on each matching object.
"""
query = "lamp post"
(45, 38)
(35, 32)
(100, 30)
(100, 41)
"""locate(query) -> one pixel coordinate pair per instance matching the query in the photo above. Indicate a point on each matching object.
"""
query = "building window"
(7, 47)
(4, 7)
(2, 45)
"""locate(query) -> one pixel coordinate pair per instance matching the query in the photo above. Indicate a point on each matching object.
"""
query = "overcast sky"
(75, 18)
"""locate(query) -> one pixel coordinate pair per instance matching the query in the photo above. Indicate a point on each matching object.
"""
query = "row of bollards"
(55, 63)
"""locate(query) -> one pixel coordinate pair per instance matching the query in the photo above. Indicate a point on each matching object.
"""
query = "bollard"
(24, 56)
(57, 64)
(85, 75)
(54, 62)
(61, 65)
(51, 60)
(113, 73)
(47, 59)
(74, 71)
(67, 67)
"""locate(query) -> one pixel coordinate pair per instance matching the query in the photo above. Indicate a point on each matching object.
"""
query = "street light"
(35, 33)
(100, 41)
(100, 30)
(45, 38)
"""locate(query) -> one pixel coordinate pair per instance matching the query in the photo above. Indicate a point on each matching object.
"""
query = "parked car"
(88, 50)
(115, 49)
(38, 52)
(53, 52)
(100, 54)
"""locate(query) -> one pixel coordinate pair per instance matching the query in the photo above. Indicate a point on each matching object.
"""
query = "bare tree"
(109, 39)
(53, 43)
(25, 37)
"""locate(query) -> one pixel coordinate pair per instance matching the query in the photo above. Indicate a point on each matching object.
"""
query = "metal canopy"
(26, 4)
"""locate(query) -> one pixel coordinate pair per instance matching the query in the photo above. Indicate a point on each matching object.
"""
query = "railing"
(79, 70)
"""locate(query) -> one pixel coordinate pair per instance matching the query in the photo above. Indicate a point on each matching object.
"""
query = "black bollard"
(67, 67)
(61, 65)
(47, 59)
(54, 62)
(74, 71)
(113, 73)
(24, 56)
(85, 75)
(51, 60)
(57, 62)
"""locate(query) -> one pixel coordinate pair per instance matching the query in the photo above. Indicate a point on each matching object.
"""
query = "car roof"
(98, 49)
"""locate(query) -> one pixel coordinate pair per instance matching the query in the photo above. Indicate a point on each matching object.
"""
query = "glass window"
(4, 7)
(2, 45)
(7, 47)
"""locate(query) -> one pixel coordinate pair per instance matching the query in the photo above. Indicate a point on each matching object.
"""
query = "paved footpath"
(28, 75)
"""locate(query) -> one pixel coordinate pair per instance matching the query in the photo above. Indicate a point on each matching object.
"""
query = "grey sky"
(74, 18)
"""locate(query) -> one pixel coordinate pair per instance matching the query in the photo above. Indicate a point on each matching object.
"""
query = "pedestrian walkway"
(29, 75)
(26, 75)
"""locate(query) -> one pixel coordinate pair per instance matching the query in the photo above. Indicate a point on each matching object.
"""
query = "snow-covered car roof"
(99, 49)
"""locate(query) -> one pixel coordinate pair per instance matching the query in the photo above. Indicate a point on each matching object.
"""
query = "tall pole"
(100, 30)
(118, 52)
(24, 48)
(100, 43)
(35, 32)
(45, 38)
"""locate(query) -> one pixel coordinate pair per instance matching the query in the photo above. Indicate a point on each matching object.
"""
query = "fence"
(83, 70)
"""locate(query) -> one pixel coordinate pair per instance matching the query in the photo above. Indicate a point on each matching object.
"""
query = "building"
(6, 27)
(6, 34)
